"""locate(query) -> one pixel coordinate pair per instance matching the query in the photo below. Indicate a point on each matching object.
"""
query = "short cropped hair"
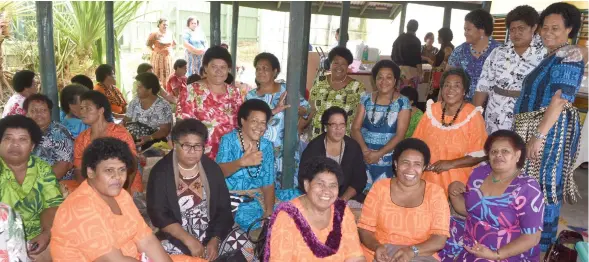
(106, 148)
(22, 79)
(481, 19)
(189, 126)
(37, 98)
(316, 165)
(457, 71)
(341, 52)
(22, 122)
(413, 144)
(570, 14)
(103, 71)
(149, 81)
(217, 52)
(334, 110)
(69, 94)
(514, 139)
(253, 105)
(83, 80)
(524, 13)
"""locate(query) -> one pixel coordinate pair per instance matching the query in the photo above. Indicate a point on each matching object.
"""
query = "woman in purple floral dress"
(503, 208)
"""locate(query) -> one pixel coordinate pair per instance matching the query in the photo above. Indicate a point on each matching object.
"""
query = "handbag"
(564, 247)
(260, 242)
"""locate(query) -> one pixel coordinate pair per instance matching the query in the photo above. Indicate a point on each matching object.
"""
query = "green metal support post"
(447, 17)
(215, 23)
(234, 24)
(47, 54)
(296, 79)
(487, 6)
(343, 24)
(109, 25)
(403, 15)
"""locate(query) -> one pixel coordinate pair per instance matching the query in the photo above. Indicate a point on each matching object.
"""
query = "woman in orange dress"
(161, 43)
(328, 230)
(95, 111)
(454, 130)
(105, 75)
(405, 218)
(99, 221)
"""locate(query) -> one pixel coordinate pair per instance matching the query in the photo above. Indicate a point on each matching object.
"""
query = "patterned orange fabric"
(397, 225)
(88, 229)
(112, 130)
(287, 244)
(466, 136)
(117, 101)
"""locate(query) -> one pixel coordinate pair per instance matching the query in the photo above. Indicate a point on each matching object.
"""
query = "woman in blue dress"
(70, 108)
(274, 94)
(381, 122)
(247, 161)
(195, 45)
(545, 117)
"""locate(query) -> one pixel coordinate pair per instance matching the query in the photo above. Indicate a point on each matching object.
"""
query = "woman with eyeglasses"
(187, 199)
(334, 144)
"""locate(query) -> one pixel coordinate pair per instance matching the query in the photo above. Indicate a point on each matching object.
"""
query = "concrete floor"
(577, 215)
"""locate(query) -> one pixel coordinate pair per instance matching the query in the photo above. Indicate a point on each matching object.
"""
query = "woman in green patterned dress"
(27, 183)
(337, 89)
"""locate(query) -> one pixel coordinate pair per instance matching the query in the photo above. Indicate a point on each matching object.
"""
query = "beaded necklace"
(247, 168)
(477, 53)
(455, 115)
(384, 119)
(555, 49)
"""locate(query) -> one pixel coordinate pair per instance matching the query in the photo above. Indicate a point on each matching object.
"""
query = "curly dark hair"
(414, 144)
(341, 52)
(412, 26)
(69, 94)
(271, 58)
(83, 80)
(457, 71)
(446, 35)
(106, 148)
(217, 52)
(524, 13)
(385, 63)
(570, 14)
(100, 101)
(514, 139)
(334, 110)
(180, 63)
(253, 105)
(189, 126)
(316, 165)
(190, 18)
(22, 122)
(410, 93)
(38, 98)
(481, 19)
(149, 81)
(144, 67)
(22, 79)
(103, 71)
(193, 78)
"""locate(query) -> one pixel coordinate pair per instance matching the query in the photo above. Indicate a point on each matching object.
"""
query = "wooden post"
(215, 23)
(403, 15)
(298, 53)
(447, 17)
(47, 54)
(109, 24)
(343, 24)
(234, 24)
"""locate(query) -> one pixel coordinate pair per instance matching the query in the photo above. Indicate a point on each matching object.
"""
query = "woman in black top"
(187, 198)
(334, 144)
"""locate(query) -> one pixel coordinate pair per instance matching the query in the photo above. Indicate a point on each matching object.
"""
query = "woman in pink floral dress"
(211, 100)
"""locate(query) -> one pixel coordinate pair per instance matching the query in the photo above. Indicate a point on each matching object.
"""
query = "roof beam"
(451, 4)
(321, 6)
(366, 4)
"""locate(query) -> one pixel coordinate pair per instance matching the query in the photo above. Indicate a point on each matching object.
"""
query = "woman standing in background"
(195, 45)
(161, 43)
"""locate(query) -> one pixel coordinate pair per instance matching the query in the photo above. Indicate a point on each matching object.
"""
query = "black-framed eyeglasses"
(188, 147)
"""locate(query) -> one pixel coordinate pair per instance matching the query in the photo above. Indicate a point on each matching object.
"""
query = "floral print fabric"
(494, 221)
(217, 111)
(159, 113)
(39, 191)
(57, 145)
(506, 69)
(14, 106)
(13, 247)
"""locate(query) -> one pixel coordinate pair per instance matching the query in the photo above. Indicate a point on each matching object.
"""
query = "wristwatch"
(415, 251)
(539, 135)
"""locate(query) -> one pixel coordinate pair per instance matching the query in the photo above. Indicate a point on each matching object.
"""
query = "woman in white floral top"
(149, 117)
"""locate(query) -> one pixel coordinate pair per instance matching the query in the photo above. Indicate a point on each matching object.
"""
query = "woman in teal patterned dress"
(381, 122)
(274, 94)
(545, 117)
